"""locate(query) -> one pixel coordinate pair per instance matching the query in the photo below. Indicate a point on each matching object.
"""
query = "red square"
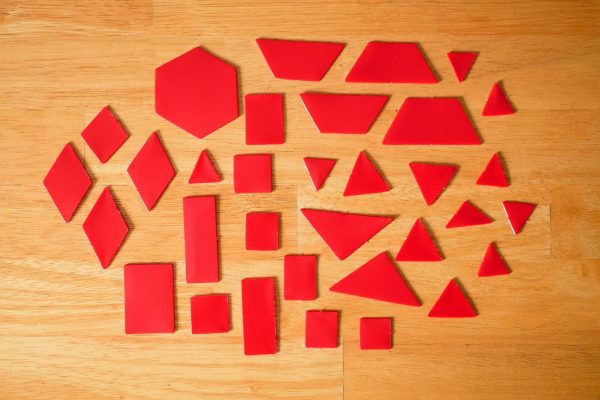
(375, 333)
(264, 118)
(210, 313)
(149, 298)
(322, 329)
(262, 231)
(252, 173)
(299, 277)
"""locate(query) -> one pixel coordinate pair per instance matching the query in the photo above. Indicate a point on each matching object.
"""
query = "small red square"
(252, 173)
(375, 333)
(149, 298)
(322, 329)
(210, 313)
(104, 135)
(264, 118)
(262, 231)
(299, 277)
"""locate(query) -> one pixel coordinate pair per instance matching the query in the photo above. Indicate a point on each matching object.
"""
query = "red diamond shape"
(104, 135)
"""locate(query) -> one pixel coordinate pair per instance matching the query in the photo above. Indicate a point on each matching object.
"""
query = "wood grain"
(61, 315)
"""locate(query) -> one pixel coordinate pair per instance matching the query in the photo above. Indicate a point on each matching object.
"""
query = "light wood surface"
(61, 315)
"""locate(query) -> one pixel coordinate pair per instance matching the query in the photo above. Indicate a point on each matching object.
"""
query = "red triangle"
(343, 232)
(492, 263)
(204, 171)
(432, 179)
(518, 213)
(452, 304)
(468, 215)
(378, 279)
(493, 174)
(365, 178)
(319, 169)
(418, 245)
(497, 103)
(462, 61)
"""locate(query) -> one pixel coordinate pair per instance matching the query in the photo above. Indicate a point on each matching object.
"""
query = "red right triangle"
(493, 174)
(365, 178)
(518, 213)
(462, 61)
(204, 171)
(377, 279)
(468, 215)
(492, 263)
(432, 179)
(497, 103)
(452, 304)
(418, 245)
(319, 169)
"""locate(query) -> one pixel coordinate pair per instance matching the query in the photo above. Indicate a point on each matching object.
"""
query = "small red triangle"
(319, 169)
(518, 213)
(378, 279)
(432, 179)
(492, 263)
(204, 171)
(497, 103)
(452, 303)
(468, 215)
(462, 61)
(493, 174)
(418, 245)
(365, 178)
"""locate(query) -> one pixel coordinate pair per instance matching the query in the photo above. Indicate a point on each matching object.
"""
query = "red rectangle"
(264, 118)
(259, 316)
(201, 247)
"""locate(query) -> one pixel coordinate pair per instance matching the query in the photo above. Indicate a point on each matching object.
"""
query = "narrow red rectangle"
(259, 316)
(201, 241)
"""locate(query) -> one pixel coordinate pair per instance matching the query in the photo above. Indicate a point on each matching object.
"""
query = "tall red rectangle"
(259, 316)
(201, 242)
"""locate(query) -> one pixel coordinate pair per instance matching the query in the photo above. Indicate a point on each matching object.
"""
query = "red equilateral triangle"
(492, 263)
(418, 245)
(452, 304)
(365, 178)
(462, 61)
(518, 213)
(493, 174)
(468, 215)
(497, 103)
(204, 171)
(432, 179)
(319, 169)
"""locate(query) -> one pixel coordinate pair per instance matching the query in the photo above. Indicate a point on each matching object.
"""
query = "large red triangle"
(497, 103)
(493, 174)
(452, 303)
(378, 279)
(468, 215)
(204, 171)
(492, 263)
(319, 169)
(462, 61)
(418, 245)
(365, 178)
(343, 232)
(518, 213)
(432, 179)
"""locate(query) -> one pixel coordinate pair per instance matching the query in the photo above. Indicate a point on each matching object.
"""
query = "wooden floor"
(61, 315)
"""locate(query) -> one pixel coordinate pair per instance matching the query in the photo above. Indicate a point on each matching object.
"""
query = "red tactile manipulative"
(517, 213)
(297, 59)
(343, 113)
(418, 245)
(364, 178)
(149, 304)
(468, 215)
(104, 135)
(452, 303)
(67, 182)
(319, 169)
(151, 171)
(299, 277)
(375, 333)
(432, 179)
(461, 62)
(264, 118)
(497, 103)
(105, 228)
(431, 120)
(344, 232)
(197, 92)
(210, 313)
(493, 174)
(322, 329)
(378, 279)
(252, 173)
(201, 239)
(259, 316)
(204, 170)
(391, 62)
(492, 263)
(262, 231)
